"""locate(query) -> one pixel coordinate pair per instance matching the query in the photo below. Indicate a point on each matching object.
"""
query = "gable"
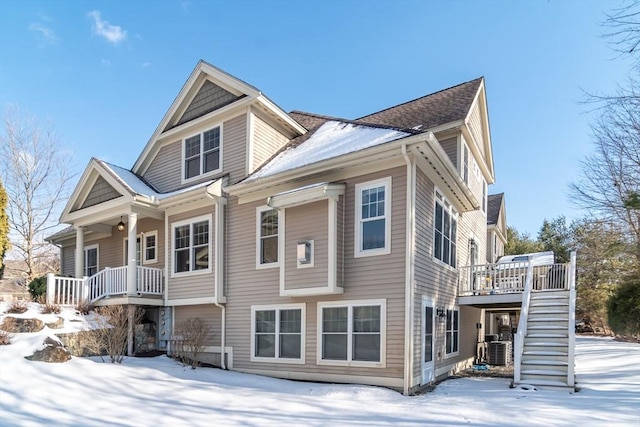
(209, 97)
(101, 191)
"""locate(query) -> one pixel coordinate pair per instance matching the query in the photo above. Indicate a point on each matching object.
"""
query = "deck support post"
(130, 336)
(131, 254)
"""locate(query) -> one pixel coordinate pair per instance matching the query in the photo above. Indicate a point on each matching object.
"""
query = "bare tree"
(623, 29)
(194, 334)
(113, 330)
(37, 177)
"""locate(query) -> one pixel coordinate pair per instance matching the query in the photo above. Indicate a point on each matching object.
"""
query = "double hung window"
(373, 212)
(278, 333)
(202, 153)
(191, 245)
(267, 233)
(445, 231)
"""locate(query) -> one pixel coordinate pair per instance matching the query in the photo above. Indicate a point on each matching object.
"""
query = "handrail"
(522, 325)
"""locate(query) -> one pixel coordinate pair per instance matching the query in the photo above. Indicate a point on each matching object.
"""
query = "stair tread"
(549, 304)
(541, 335)
(546, 344)
(543, 372)
(550, 319)
(544, 362)
(544, 353)
(550, 383)
(546, 327)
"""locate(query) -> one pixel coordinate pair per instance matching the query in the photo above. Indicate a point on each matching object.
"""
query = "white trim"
(332, 247)
(250, 141)
(190, 301)
(190, 222)
(278, 308)
(143, 248)
(125, 248)
(357, 251)
(453, 308)
(87, 248)
(315, 291)
(183, 178)
(216, 349)
(382, 303)
(306, 195)
(258, 239)
(409, 285)
(307, 375)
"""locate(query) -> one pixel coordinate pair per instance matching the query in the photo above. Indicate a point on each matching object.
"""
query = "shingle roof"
(310, 120)
(429, 111)
(494, 201)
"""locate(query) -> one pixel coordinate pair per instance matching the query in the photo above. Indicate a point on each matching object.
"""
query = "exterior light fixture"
(121, 225)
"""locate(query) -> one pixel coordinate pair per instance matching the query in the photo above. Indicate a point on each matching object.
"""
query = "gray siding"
(68, 260)
(266, 141)
(377, 277)
(307, 222)
(101, 191)
(212, 317)
(475, 123)
(234, 156)
(164, 172)
(192, 285)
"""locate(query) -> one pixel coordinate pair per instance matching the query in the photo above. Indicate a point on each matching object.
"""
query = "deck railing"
(105, 283)
(510, 277)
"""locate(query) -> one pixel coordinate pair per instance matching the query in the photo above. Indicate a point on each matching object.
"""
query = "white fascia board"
(310, 292)
(281, 114)
(98, 213)
(305, 195)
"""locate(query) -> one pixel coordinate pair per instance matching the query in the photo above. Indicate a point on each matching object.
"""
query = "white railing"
(572, 321)
(518, 347)
(107, 282)
(66, 290)
(149, 281)
(510, 277)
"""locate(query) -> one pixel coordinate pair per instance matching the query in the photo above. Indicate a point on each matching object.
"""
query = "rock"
(19, 325)
(58, 324)
(82, 344)
(53, 352)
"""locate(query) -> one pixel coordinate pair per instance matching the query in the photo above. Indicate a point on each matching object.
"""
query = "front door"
(126, 251)
(426, 357)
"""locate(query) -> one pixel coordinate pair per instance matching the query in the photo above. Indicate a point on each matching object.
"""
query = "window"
(150, 247)
(452, 332)
(90, 260)
(278, 333)
(465, 163)
(201, 153)
(267, 233)
(352, 333)
(445, 231)
(373, 212)
(484, 196)
(191, 245)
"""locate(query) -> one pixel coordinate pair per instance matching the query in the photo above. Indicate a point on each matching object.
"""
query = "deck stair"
(546, 355)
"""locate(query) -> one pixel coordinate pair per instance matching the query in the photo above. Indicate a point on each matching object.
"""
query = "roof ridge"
(421, 97)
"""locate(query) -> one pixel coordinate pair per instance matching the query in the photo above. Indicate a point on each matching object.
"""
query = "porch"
(109, 283)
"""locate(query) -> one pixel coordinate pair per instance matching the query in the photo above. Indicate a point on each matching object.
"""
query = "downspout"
(408, 289)
(220, 203)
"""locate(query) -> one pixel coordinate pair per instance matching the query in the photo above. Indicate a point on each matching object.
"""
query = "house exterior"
(316, 248)
(496, 227)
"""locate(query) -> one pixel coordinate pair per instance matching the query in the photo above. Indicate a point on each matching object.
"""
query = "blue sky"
(105, 72)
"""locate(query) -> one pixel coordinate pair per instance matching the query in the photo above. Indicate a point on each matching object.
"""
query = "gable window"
(452, 334)
(202, 153)
(150, 242)
(90, 260)
(352, 333)
(445, 231)
(278, 333)
(191, 245)
(267, 233)
(373, 213)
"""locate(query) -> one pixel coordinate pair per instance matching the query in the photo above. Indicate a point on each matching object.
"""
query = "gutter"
(409, 260)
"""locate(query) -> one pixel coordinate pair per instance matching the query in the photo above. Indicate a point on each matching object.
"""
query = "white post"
(51, 288)
(130, 333)
(79, 252)
(131, 249)
(572, 321)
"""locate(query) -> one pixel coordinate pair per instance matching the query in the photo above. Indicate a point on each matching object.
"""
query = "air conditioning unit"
(500, 353)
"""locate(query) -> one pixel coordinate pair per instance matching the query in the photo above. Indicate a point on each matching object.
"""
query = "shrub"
(624, 306)
(50, 309)
(38, 287)
(84, 307)
(113, 329)
(5, 337)
(18, 306)
(193, 333)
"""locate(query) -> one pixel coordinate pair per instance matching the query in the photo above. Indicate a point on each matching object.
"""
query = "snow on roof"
(131, 180)
(332, 139)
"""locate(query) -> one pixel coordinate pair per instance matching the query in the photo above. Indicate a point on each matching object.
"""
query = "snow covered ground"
(160, 392)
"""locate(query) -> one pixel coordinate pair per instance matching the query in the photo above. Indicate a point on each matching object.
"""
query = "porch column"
(79, 252)
(131, 251)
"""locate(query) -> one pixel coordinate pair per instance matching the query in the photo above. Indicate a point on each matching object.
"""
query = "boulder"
(53, 352)
(58, 324)
(18, 325)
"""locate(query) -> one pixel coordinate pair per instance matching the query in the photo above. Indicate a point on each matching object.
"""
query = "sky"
(104, 73)
(159, 391)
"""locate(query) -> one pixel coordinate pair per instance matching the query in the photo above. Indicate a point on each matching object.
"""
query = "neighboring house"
(11, 290)
(496, 227)
(317, 248)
